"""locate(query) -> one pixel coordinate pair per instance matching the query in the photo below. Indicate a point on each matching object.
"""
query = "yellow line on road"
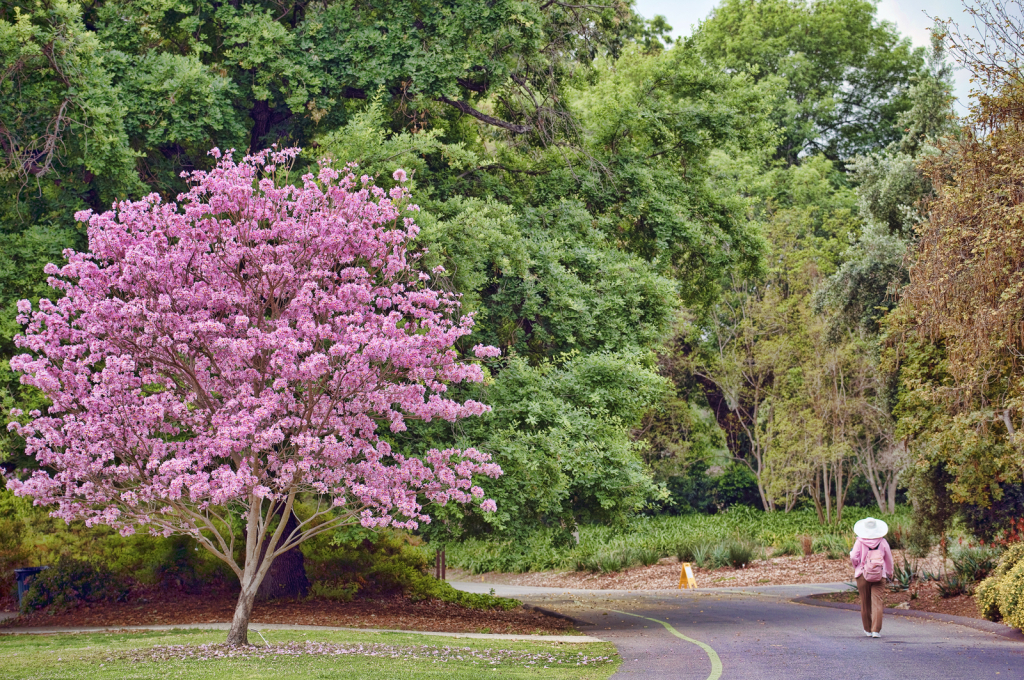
(716, 663)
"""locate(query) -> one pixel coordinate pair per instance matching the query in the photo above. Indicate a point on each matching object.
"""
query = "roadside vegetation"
(733, 537)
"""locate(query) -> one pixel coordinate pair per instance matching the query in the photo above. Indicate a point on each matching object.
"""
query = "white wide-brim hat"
(869, 527)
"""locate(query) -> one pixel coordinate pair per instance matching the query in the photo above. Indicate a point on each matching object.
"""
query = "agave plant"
(902, 576)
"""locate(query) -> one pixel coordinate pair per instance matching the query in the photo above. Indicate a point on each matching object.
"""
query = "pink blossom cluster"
(245, 343)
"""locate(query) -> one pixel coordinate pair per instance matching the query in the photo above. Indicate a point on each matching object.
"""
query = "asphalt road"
(758, 636)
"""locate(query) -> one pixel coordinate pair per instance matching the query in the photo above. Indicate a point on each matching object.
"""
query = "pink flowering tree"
(213, 362)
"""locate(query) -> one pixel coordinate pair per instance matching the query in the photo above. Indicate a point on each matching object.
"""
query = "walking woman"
(872, 564)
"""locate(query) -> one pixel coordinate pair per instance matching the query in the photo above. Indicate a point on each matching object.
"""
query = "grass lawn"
(380, 656)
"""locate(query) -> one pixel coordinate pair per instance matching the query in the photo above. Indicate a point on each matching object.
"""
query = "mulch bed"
(170, 607)
(927, 600)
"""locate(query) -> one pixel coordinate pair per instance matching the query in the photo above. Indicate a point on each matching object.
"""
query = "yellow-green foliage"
(1001, 595)
(1009, 559)
(986, 595)
(1011, 596)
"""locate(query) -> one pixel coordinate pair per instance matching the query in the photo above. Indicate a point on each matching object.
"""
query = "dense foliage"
(955, 337)
(690, 254)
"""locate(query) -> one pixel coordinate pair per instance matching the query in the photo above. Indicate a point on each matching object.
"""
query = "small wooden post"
(444, 566)
(686, 579)
(437, 564)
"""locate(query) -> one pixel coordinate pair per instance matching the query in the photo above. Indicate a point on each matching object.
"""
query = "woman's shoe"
(867, 633)
(876, 635)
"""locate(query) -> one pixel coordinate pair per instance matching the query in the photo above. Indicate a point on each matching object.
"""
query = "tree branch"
(481, 116)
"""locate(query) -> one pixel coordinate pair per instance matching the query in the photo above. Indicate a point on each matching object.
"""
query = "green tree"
(846, 75)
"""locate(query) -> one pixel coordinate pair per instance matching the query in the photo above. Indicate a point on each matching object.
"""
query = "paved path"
(759, 634)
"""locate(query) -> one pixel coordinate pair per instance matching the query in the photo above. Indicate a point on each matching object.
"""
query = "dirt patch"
(394, 613)
(927, 600)
(665, 574)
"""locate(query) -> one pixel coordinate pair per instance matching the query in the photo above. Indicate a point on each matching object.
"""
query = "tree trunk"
(257, 564)
(891, 494)
(260, 115)
(286, 577)
(238, 634)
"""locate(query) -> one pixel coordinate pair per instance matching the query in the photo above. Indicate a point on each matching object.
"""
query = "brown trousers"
(871, 606)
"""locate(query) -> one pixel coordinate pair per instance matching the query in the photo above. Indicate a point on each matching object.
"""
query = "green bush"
(719, 556)
(71, 582)
(685, 552)
(358, 561)
(919, 541)
(1001, 596)
(740, 554)
(608, 561)
(703, 556)
(1010, 558)
(1011, 596)
(986, 595)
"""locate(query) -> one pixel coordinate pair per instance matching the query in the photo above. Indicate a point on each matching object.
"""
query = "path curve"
(761, 634)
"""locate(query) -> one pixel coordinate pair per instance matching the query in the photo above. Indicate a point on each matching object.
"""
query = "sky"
(908, 15)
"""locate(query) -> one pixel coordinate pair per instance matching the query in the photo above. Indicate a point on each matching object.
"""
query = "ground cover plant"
(736, 535)
(288, 655)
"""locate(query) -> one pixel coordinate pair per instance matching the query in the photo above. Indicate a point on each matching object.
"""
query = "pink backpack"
(874, 565)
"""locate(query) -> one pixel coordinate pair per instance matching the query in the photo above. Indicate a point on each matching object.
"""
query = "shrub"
(986, 595)
(919, 541)
(740, 554)
(71, 582)
(807, 545)
(719, 556)
(338, 591)
(703, 556)
(1011, 596)
(666, 535)
(358, 561)
(1010, 558)
(684, 551)
(1001, 596)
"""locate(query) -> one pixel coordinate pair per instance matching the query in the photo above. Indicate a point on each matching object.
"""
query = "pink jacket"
(860, 553)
